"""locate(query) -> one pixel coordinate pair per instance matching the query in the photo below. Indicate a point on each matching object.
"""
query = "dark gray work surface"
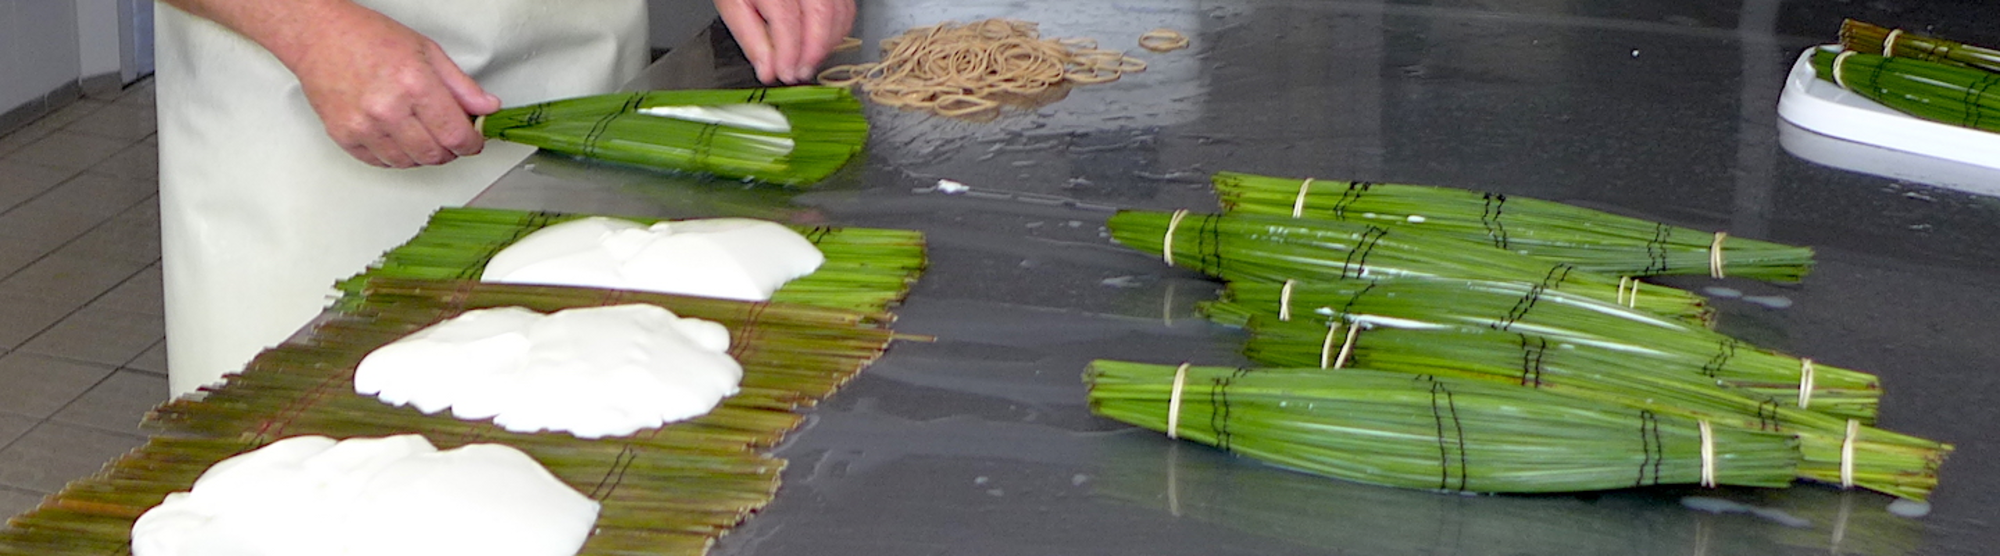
(981, 444)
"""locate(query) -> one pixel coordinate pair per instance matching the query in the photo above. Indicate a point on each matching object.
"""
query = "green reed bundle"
(1943, 93)
(1434, 433)
(1588, 239)
(1260, 248)
(1647, 341)
(1875, 459)
(665, 502)
(1875, 39)
(866, 269)
(826, 130)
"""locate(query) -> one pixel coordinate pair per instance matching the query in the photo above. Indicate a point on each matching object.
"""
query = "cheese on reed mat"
(591, 372)
(394, 496)
(729, 258)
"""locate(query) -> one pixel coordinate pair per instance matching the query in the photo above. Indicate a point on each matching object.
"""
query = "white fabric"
(261, 212)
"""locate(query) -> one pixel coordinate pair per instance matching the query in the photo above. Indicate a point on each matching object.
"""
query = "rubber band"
(1715, 255)
(1805, 383)
(1839, 62)
(1347, 347)
(1163, 40)
(1847, 453)
(1167, 243)
(1299, 203)
(1628, 297)
(1285, 301)
(1326, 346)
(1707, 455)
(1889, 43)
(957, 70)
(1174, 402)
(846, 44)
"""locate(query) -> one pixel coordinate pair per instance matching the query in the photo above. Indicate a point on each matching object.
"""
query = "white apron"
(261, 212)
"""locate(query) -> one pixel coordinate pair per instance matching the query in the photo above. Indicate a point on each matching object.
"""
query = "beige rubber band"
(1847, 453)
(1628, 297)
(1838, 62)
(1163, 40)
(1707, 455)
(1174, 403)
(1167, 243)
(1326, 346)
(1715, 255)
(1805, 383)
(1285, 301)
(1889, 43)
(1347, 347)
(1299, 204)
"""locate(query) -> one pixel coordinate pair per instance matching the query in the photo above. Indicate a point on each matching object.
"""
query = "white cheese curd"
(760, 117)
(591, 372)
(394, 496)
(729, 258)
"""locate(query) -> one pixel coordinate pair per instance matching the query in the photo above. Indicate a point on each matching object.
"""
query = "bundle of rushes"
(1261, 248)
(1884, 461)
(1866, 37)
(1587, 239)
(827, 129)
(1648, 342)
(1943, 93)
(866, 269)
(654, 501)
(1435, 433)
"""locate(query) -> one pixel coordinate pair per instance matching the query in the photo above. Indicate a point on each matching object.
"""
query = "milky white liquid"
(729, 258)
(591, 372)
(394, 496)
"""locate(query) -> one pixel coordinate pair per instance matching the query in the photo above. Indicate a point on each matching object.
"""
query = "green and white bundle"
(1939, 92)
(1866, 37)
(824, 129)
(1876, 459)
(1434, 433)
(1646, 340)
(866, 269)
(1587, 239)
(1273, 249)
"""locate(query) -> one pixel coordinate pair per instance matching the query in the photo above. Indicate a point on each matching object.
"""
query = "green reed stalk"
(1943, 93)
(1870, 38)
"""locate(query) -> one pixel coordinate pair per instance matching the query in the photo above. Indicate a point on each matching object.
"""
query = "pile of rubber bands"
(959, 70)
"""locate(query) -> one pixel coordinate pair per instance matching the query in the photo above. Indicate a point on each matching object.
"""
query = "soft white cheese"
(394, 496)
(729, 258)
(591, 372)
(761, 117)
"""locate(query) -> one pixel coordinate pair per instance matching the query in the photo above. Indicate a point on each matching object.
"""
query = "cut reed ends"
(826, 129)
(1587, 239)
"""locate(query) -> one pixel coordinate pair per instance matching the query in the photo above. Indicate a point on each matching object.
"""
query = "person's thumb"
(473, 98)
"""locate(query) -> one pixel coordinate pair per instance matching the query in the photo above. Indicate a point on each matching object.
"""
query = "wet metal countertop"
(980, 443)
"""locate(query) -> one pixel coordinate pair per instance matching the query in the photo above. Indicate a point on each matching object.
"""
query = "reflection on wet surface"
(980, 443)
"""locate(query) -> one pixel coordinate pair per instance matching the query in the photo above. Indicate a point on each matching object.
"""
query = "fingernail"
(805, 73)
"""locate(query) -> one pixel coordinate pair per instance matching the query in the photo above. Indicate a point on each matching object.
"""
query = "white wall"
(39, 50)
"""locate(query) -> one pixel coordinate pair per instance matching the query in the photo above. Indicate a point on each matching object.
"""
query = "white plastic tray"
(1825, 108)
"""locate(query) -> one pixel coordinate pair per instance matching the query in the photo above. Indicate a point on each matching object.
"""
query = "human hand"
(787, 39)
(388, 95)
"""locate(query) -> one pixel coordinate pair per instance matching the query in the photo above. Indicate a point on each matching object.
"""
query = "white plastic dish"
(1825, 108)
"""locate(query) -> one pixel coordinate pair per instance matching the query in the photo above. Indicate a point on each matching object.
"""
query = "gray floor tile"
(53, 454)
(14, 425)
(70, 279)
(15, 502)
(95, 194)
(117, 121)
(16, 256)
(70, 150)
(97, 335)
(74, 111)
(38, 386)
(118, 403)
(21, 181)
(44, 230)
(153, 361)
(141, 161)
(142, 294)
(130, 236)
(28, 316)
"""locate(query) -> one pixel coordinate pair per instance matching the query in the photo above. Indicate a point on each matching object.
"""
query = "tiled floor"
(82, 337)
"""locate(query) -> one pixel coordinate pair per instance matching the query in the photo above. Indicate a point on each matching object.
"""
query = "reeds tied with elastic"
(1862, 36)
(1645, 340)
(1942, 93)
(1273, 249)
(1832, 452)
(826, 129)
(1434, 433)
(866, 269)
(1588, 239)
